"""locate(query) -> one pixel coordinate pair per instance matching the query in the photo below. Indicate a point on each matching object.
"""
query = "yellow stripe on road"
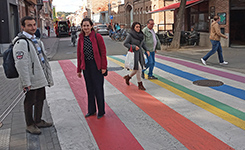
(214, 110)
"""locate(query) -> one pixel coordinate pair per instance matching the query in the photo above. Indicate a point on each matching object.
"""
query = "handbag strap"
(97, 43)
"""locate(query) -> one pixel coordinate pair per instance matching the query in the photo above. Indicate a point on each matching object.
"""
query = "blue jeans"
(216, 46)
(150, 63)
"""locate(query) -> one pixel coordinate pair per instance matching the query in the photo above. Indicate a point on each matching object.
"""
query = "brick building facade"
(137, 10)
(11, 11)
(198, 15)
(230, 12)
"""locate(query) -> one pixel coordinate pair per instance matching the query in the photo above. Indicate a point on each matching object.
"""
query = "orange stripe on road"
(109, 132)
(188, 133)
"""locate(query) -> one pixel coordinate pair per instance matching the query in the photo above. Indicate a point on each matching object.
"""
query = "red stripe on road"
(109, 132)
(188, 133)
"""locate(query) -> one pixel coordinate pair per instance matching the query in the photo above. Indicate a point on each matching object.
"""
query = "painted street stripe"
(224, 88)
(185, 131)
(205, 69)
(239, 93)
(109, 132)
(70, 124)
(226, 112)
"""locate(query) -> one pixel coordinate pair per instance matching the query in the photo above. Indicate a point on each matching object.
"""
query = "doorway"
(129, 16)
(13, 22)
(237, 24)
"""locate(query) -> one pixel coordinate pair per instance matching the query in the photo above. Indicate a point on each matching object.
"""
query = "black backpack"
(8, 60)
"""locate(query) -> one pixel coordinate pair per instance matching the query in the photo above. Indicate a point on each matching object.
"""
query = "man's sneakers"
(44, 124)
(143, 75)
(203, 61)
(33, 129)
(224, 63)
(152, 77)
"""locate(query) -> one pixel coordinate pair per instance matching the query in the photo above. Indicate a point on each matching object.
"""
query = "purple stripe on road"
(205, 69)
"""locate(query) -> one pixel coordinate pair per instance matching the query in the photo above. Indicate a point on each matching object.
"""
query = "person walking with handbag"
(91, 59)
(214, 37)
(135, 42)
(153, 43)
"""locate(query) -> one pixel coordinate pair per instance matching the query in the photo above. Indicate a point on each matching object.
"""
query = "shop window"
(200, 22)
(199, 17)
(154, 7)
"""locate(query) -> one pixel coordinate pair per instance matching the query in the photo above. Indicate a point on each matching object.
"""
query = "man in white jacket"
(34, 74)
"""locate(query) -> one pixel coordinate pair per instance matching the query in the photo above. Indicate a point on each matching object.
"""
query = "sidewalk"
(235, 56)
(12, 133)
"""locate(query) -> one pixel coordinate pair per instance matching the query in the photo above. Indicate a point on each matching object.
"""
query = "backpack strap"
(19, 38)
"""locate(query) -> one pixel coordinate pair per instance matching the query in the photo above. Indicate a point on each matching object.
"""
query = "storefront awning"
(174, 6)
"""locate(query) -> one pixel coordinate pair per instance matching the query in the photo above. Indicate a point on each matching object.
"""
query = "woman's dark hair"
(90, 22)
(24, 19)
(134, 24)
(87, 19)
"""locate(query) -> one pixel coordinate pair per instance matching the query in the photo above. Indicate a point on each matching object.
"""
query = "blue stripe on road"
(239, 93)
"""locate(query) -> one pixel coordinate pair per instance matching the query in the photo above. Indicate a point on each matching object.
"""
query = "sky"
(67, 5)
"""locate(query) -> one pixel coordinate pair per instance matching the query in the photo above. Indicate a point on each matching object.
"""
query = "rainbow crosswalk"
(172, 113)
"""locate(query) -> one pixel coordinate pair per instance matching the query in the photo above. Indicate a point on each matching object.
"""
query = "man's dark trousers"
(34, 98)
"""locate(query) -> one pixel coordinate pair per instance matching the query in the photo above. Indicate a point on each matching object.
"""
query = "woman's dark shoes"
(100, 116)
(89, 114)
(140, 86)
(127, 78)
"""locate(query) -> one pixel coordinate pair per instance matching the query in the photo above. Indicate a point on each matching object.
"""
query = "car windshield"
(102, 26)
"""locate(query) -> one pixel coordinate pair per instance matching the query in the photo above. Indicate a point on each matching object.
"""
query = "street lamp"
(109, 12)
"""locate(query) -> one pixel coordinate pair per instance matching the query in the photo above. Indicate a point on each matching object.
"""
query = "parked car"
(63, 28)
(101, 29)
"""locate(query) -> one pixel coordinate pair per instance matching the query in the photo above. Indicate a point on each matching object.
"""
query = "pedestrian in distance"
(153, 43)
(56, 27)
(91, 59)
(48, 29)
(193, 37)
(34, 74)
(135, 42)
(73, 31)
(214, 37)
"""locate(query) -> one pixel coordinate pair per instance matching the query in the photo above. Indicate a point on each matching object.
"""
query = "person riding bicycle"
(117, 27)
(110, 29)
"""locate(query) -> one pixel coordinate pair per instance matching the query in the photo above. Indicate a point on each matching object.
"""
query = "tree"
(175, 44)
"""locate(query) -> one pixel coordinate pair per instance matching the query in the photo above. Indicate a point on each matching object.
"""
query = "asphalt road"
(235, 56)
(67, 51)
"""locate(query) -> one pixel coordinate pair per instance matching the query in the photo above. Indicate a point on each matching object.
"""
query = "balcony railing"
(39, 2)
(32, 1)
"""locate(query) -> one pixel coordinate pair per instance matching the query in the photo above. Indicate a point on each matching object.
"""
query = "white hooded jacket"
(28, 65)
